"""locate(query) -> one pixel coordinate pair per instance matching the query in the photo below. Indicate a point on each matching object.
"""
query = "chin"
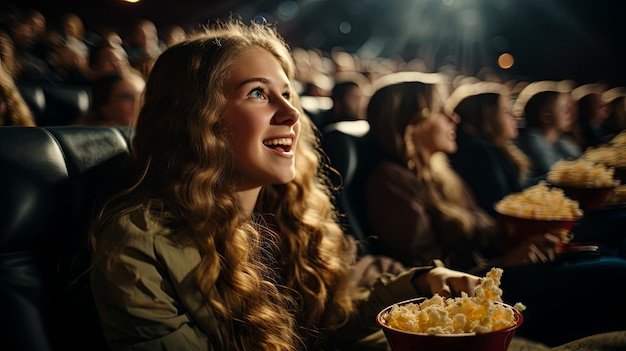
(284, 179)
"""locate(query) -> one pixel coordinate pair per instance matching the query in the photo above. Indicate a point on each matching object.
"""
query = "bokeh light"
(506, 61)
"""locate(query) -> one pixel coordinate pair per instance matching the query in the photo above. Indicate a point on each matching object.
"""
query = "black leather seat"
(65, 103)
(35, 98)
(352, 152)
(52, 179)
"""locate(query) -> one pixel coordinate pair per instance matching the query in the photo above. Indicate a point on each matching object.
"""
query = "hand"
(534, 249)
(447, 282)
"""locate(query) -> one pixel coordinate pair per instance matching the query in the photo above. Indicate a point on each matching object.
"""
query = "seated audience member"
(486, 158)
(549, 116)
(347, 97)
(13, 109)
(420, 209)
(143, 46)
(591, 113)
(17, 48)
(73, 34)
(173, 34)
(107, 58)
(68, 65)
(39, 28)
(228, 239)
(615, 123)
(115, 99)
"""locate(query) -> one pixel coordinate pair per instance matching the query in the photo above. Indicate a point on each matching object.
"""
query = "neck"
(247, 198)
(551, 135)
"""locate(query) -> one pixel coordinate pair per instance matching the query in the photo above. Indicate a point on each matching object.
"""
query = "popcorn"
(465, 314)
(618, 196)
(540, 202)
(583, 172)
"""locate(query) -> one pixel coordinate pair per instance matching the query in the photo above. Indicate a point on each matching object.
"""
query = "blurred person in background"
(549, 117)
(28, 65)
(616, 121)
(75, 36)
(68, 65)
(486, 158)
(39, 38)
(592, 111)
(347, 104)
(143, 46)
(116, 98)
(173, 34)
(107, 58)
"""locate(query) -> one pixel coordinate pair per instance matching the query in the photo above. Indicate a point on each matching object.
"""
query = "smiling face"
(262, 120)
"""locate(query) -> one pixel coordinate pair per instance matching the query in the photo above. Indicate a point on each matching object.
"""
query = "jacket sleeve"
(137, 301)
(386, 290)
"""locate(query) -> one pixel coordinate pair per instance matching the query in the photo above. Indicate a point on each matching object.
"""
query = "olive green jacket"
(157, 306)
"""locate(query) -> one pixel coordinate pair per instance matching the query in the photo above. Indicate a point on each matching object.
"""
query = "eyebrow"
(259, 80)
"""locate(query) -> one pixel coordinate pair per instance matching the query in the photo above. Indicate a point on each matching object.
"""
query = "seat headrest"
(51, 177)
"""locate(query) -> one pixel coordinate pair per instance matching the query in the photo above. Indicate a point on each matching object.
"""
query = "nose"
(287, 113)
(454, 118)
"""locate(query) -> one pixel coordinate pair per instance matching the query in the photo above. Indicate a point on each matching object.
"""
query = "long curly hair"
(17, 112)
(283, 274)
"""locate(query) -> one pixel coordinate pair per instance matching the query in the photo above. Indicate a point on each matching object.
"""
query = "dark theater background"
(581, 40)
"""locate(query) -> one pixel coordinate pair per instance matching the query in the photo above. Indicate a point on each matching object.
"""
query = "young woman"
(549, 117)
(419, 209)
(227, 239)
(486, 159)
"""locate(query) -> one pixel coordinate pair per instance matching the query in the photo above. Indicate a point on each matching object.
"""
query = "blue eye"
(256, 93)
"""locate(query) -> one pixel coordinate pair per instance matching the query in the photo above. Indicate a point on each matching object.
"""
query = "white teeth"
(279, 141)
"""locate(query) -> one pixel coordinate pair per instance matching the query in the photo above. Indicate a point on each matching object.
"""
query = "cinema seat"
(52, 179)
(350, 149)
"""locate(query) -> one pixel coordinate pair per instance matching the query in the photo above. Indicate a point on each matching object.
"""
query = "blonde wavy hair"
(17, 111)
(287, 301)
(396, 107)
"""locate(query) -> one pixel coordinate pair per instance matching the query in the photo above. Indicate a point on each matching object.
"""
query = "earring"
(409, 145)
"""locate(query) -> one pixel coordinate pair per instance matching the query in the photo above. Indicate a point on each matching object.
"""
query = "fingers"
(444, 291)
(541, 254)
(450, 283)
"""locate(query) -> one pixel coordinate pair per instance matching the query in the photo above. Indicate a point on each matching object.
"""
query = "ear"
(546, 118)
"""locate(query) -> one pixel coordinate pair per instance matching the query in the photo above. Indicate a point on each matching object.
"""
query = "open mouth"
(283, 144)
